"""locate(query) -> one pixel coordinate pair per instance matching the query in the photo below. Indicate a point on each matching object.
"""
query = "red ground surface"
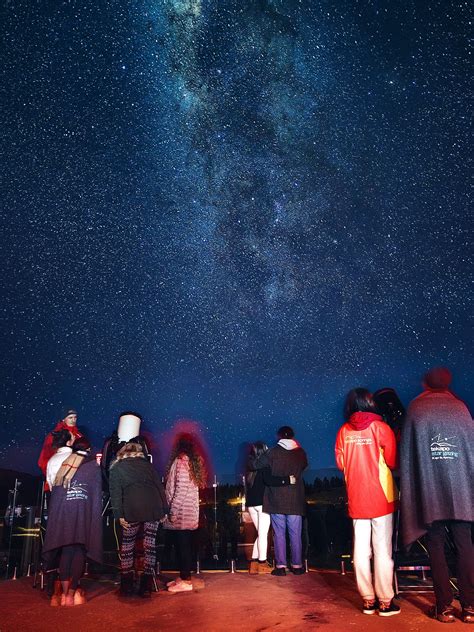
(221, 602)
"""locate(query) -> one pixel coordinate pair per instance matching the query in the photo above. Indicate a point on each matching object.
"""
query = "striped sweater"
(182, 495)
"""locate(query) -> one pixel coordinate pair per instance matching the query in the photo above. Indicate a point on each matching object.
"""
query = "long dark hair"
(256, 449)
(359, 400)
(61, 438)
(188, 444)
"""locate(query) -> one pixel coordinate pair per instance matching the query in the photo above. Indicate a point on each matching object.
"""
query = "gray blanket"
(436, 463)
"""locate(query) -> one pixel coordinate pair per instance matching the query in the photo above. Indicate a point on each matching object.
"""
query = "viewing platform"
(221, 602)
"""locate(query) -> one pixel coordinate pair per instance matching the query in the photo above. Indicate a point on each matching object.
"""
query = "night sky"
(230, 211)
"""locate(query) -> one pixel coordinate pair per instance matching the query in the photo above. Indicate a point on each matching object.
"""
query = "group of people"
(431, 450)
(434, 456)
(139, 503)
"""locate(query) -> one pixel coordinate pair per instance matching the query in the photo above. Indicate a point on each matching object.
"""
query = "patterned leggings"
(127, 549)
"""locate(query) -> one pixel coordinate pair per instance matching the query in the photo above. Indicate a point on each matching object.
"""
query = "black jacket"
(290, 499)
(256, 490)
(136, 491)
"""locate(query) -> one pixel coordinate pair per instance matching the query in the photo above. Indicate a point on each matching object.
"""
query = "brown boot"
(264, 568)
(253, 567)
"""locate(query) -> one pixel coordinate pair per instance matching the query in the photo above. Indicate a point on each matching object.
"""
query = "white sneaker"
(182, 586)
(174, 582)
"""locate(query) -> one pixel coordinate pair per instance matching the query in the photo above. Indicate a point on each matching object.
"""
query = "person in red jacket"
(366, 451)
(68, 422)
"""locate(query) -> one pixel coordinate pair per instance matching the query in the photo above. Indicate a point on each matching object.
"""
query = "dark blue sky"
(231, 212)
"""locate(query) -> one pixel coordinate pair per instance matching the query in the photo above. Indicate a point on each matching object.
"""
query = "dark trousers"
(183, 541)
(435, 543)
(71, 564)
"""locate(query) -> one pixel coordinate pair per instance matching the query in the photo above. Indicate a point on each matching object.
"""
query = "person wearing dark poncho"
(437, 487)
(74, 528)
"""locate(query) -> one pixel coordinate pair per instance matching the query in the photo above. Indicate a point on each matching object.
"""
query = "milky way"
(231, 212)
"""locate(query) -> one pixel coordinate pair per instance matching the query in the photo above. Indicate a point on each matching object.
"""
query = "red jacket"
(366, 451)
(47, 450)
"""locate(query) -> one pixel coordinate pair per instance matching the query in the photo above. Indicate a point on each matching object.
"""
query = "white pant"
(379, 531)
(261, 521)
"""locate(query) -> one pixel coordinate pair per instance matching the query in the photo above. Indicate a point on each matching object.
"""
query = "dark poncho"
(75, 514)
(436, 463)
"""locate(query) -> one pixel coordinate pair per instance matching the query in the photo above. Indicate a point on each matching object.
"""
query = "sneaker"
(264, 568)
(467, 615)
(280, 572)
(298, 570)
(182, 586)
(369, 606)
(388, 609)
(175, 581)
(444, 615)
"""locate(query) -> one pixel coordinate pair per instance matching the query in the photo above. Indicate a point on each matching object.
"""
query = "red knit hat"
(439, 377)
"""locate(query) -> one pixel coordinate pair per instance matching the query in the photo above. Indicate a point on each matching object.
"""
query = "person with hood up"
(285, 504)
(366, 451)
(437, 487)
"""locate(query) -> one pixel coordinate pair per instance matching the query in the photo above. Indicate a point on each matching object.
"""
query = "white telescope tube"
(128, 427)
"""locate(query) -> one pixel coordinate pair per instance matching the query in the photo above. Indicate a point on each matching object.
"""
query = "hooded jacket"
(286, 458)
(366, 451)
(437, 463)
(136, 491)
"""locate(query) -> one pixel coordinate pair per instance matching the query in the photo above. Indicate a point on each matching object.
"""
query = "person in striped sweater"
(186, 475)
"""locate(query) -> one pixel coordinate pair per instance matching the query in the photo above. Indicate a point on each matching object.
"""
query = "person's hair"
(81, 444)
(129, 448)
(359, 400)
(285, 432)
(186, 443)
(60, 438)
(258, 448)
(438, 378)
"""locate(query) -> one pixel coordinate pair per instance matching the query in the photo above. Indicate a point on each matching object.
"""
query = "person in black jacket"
(287, 504)
(137, 497)
(256, 480)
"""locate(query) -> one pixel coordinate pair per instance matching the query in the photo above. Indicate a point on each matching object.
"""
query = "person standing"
(186, 475)
(437, 487)
(74, 527)
(366, 451)
(138, 499)
(256, 480)
(286, 504)
(68, 422)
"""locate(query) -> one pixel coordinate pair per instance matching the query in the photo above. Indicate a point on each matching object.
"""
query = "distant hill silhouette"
(309, 475)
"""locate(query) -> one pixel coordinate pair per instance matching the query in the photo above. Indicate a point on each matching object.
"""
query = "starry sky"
(230, 212)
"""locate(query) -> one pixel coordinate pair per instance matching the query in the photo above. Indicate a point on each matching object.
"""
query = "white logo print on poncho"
(442, 449)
